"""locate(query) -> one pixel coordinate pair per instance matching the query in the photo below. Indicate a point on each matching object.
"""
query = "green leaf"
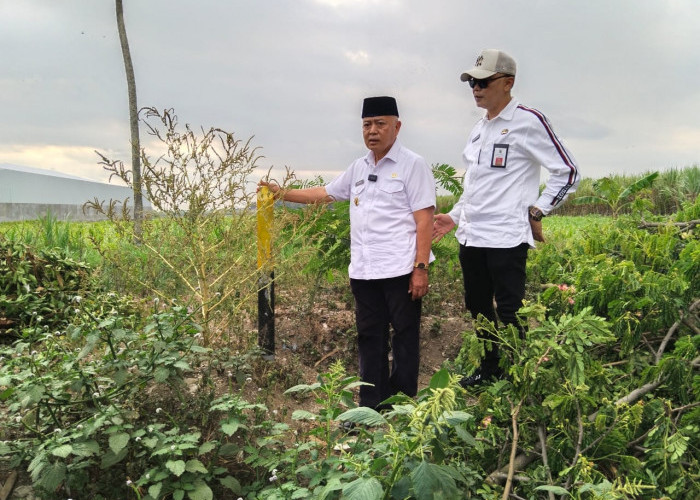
(465, 435)
(53, 476)
(229, 449)
(429, 478)
(161, 374)
(303, 388)
(86, 448)
(230, 426)
(363, 489)
(303, 415)
(178, 494)
(182, 365)
(154, 489)
(440, 380)
(195, 465)
(206, 447)
(557, 490)
(231, 483)
(177, 467)
(201, 491)
(62, 451)
(110, 458)
(117, 442)
(363, 415)
(457, 417)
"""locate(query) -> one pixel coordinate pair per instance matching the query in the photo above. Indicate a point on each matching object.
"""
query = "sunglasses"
(473, 82)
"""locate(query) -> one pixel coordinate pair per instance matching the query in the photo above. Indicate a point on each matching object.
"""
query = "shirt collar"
(392, 155)
(507, 112)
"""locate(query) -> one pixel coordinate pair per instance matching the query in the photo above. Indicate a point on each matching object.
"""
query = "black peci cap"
(379, 106)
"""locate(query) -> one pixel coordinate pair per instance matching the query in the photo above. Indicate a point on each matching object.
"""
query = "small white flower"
(80, 427)
(138, 438)
(229, 374)
(148, 476)
(158, 410)
(77, 299)
(77, 311)
(274, 472)
(57, 430)
(33, 313)
(274, 412)
(95, 394)
(248, 379)
(150, 428)
(172, 447)
(34, 353)
(128, 482)
(18, 419)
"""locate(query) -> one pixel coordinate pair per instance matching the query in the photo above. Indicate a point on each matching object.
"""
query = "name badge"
(499, 158)
(360, 182)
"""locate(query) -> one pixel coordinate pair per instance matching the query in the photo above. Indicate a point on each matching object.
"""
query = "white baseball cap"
(490, 62)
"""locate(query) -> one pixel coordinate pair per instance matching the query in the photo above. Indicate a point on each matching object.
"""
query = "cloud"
(615, 78)
(357, 57)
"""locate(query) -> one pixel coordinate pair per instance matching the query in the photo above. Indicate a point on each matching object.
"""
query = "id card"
(499, 158)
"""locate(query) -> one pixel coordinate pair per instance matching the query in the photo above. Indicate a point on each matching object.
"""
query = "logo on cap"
(479, 60)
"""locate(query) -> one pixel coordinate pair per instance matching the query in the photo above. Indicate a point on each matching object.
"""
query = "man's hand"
(442, 224)
(536, 227)
(274, 188)
(418, 286)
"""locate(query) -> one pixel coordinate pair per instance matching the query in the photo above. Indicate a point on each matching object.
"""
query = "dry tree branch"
(513, 448)
(542, 434)
(683, 226)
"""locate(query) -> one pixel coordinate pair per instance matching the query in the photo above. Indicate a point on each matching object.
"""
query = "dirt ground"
(309, 342)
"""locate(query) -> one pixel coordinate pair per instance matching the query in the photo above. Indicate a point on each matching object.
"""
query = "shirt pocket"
(392, 196)
(391, 187)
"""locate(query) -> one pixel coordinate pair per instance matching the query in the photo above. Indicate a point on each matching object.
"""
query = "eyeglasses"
(473, 82)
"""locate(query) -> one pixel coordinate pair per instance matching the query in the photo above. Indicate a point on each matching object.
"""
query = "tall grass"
(47, 233)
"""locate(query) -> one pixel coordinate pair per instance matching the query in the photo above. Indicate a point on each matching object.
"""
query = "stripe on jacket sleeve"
(573, 171)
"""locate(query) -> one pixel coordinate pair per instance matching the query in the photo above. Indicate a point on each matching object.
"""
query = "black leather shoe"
(349, 428)
(479, 377)
(472, 380)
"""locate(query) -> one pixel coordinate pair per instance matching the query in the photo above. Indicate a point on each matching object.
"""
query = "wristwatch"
(420, 265)
(535, 213)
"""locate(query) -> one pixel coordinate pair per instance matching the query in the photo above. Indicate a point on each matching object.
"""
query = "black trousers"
(379, 304)
(494, 273)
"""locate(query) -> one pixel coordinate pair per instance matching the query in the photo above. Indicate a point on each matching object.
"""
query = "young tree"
(611, 193)
(133, 122)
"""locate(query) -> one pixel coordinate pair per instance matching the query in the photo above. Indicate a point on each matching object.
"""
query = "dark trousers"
(379, 304)
(494, 273)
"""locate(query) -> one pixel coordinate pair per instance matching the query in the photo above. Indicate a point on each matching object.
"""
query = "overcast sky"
(618, 79)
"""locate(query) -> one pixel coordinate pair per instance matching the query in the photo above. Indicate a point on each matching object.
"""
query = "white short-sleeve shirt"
(382, 226)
